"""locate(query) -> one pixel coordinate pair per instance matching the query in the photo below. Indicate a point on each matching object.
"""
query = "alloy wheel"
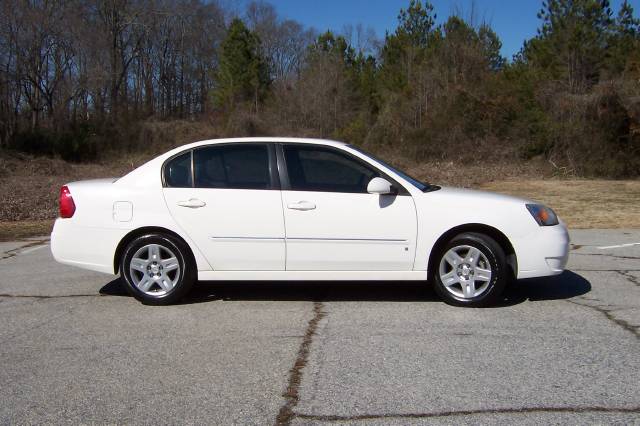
(465, 272)
(154, 270)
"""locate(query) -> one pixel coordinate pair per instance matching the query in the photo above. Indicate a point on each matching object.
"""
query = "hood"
(455, 206)
(479, 198)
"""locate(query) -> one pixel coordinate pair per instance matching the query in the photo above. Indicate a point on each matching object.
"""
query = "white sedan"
(299, 209)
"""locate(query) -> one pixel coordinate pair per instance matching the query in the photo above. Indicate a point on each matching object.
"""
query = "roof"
(141, 171)
(263, 139)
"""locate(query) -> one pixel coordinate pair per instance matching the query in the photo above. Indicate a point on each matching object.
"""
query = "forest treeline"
(81, 78)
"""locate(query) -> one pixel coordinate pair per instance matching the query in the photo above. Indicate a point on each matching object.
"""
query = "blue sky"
(513, 20)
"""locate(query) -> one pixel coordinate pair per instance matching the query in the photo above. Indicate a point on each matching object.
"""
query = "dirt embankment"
(30, 187)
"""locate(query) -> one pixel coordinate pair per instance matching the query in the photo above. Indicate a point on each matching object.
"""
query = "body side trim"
(312, 275)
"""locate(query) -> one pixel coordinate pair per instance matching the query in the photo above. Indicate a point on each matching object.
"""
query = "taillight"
(67, 206)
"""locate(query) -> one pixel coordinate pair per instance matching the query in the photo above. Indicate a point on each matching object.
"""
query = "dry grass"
(29, 188)
(12, 231)
(581, 203)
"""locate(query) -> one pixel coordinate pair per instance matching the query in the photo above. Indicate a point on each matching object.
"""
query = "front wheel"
(471, 271)
(156, 269)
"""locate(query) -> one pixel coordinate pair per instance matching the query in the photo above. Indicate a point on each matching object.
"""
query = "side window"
(177, 172)
(241, 166)
(321, 169)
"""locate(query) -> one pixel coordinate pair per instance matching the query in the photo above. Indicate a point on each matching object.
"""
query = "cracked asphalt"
(561, 350)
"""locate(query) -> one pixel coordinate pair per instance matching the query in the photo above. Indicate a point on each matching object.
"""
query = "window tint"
(177, 172)
(322, 169)
(415, 182)
(232, 166)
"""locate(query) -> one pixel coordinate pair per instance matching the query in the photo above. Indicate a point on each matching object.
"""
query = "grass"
(12, 231)
(582, 204)
(30, 188)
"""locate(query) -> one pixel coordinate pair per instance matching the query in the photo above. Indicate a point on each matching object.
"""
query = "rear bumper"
(85, 247)
(544, 252)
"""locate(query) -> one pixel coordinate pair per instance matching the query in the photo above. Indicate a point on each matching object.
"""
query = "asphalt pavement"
(74, 348)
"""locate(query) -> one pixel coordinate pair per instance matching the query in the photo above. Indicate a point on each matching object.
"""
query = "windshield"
(415, 182)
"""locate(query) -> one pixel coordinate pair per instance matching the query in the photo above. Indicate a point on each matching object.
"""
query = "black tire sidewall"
(186, 275)
(496, 257)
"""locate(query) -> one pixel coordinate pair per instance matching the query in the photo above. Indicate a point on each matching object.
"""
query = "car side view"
(299, 209)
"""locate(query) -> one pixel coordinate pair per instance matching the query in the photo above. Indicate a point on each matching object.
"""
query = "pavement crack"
(39, 296)
(630, 277)
(291, 394)
(16, 251)
(522, 410)
(635, 330)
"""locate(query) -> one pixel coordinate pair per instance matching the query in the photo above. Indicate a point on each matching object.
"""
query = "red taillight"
(67, 206)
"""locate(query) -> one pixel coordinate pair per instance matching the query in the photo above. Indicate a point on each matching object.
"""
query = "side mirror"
(380, 186)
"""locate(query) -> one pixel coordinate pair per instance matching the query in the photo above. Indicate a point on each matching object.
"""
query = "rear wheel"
(157, 269)
(471, 271)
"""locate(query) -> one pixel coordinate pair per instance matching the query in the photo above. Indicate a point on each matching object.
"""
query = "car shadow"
(564, 286)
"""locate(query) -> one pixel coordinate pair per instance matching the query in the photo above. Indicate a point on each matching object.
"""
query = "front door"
(332, 223)
(230, 205)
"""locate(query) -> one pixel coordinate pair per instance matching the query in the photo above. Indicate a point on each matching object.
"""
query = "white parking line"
(618, 246)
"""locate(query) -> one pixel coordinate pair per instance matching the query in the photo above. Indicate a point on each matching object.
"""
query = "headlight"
(543, 215)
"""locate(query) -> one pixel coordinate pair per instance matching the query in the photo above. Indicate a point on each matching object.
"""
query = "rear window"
(242, 166)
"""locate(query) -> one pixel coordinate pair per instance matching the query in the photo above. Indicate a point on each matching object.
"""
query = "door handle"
(192, 203)
(302, 205)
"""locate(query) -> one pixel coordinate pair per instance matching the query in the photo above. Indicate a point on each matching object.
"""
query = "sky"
(514, 20)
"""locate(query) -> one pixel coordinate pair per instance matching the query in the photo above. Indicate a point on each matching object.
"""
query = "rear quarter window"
(177, 172)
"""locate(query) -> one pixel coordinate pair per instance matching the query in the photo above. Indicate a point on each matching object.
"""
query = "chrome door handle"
(192, 203)
(302, 205)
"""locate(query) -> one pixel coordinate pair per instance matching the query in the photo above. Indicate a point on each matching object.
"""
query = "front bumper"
(544, 252)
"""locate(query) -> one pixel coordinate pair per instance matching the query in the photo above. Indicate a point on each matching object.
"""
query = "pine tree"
(406, 48)
(328, 43)
(242, 73)
(572, 41)
(491, 46)
(415, 23)
(624, 42)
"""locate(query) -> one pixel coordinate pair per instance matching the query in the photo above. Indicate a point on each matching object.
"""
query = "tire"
(157, 269)
(470, 270)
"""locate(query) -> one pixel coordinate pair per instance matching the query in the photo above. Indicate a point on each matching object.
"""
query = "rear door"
(226, 197)
(333, 223)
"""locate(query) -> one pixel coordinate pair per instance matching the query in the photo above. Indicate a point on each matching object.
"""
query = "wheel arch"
(479, 228)
(143, 231)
